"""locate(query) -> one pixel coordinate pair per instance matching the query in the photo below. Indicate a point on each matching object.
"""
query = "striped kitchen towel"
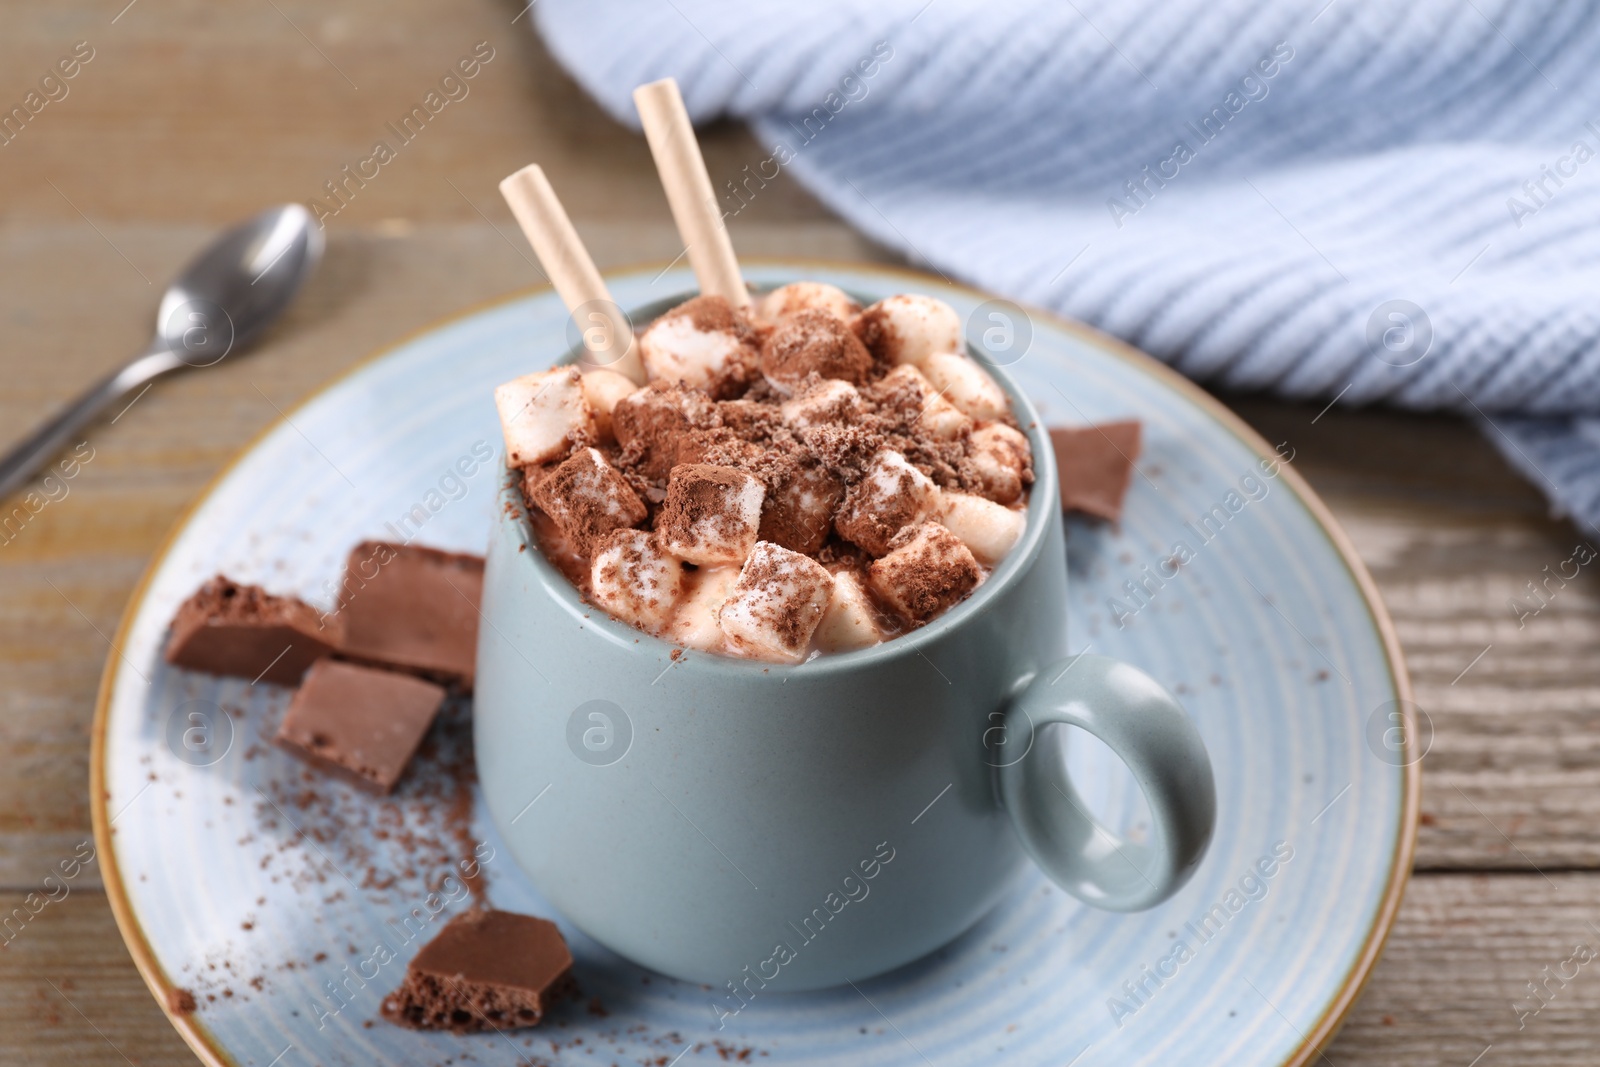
(1336, 200)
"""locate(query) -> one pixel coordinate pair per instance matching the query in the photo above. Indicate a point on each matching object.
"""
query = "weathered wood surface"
(192, 115)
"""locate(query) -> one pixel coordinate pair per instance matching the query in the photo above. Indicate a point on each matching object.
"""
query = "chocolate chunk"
(486, 970)
(362, 723)
(1096, 465)
(245, 632)
(413, 609)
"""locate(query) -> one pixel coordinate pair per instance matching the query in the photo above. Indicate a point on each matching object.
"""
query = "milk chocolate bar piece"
(246, 632)
(1096, 465)
(362, 723)
(412, 609)
(486, 970)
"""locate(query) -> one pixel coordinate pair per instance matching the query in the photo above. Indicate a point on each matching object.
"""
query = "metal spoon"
(224, 300)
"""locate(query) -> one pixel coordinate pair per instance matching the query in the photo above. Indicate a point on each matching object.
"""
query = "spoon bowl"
(240, 285)
(223, 301)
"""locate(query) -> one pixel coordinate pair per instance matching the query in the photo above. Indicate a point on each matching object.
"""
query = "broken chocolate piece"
(362, 723)
(486, 970)
(1095, 465)
(412, 609)
(246, 632)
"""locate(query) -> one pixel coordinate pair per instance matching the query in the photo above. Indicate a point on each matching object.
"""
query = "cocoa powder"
(806, 471)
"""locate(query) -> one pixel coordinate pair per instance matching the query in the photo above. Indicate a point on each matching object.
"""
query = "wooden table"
(193, 114)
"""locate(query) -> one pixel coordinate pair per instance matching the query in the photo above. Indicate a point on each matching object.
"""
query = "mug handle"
(1148, 730)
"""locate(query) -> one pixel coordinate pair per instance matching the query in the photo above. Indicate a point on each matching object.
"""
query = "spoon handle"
(41, 446)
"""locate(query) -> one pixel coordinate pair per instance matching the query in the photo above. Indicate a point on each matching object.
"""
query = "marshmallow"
(966, 385)
(987, 528)
(909, 328)
(927, 571)
(711, 514)
(939, 417)
(543, 415)
(810, 342)
(890, 496)
(1001, 455)
(655, 419)
(850, 621)
(635, 580)
(587, 498)
(602, 389)
(807, 296)
(702, 343)
(798, 513)
(695, 623)
(776, 604)
(831, 401)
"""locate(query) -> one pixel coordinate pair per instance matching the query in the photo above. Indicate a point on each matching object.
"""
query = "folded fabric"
(1337, 201)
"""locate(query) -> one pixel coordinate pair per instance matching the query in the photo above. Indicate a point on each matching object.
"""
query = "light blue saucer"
(266, 891)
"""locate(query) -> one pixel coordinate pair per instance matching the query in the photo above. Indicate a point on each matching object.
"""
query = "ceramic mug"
(761, 827)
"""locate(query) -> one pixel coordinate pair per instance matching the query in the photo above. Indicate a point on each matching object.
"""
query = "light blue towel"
(1393, 202)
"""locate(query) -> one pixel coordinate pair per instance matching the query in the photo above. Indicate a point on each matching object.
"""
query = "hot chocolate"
(808, 477)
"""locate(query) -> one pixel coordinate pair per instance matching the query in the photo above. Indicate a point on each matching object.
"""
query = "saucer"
(271, 908)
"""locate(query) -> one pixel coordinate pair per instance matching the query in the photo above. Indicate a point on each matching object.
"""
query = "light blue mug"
(760, 828)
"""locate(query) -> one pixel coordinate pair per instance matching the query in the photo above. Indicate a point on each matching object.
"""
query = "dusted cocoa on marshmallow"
(812, 342)
(587, 498)
(857, 469)
(966, 385)
(987, 528)
(927, 571)
(711, 514)
(939, 417)
(798, 513)
(807, 296)
(603, 388)
(635, 579)
(829, 400)
(704, 343)
(1003, 460)
(720, 447)
(776, 604)
(750, 419)
(543, 415)
(851, 621)
(653, 421)
(891, 496)
(909, 328)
